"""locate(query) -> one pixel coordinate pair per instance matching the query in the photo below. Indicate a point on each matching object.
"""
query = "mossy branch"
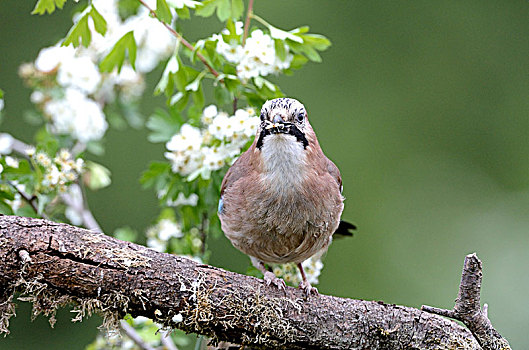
(53, 265)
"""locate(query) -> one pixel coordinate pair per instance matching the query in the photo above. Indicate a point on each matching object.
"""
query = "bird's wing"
(335, 173)
(235, 172)
(344, 228)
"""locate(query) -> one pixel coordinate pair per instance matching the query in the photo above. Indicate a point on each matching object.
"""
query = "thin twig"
(247, 22)
(181, 39)
(167, 341)
(29, 200)
(203, 233)
(234, 105)
(20, 147)
(134, 336)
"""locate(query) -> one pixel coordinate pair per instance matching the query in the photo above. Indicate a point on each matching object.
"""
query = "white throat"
(284, 161)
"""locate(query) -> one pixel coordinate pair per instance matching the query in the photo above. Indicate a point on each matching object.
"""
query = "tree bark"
(54, 264)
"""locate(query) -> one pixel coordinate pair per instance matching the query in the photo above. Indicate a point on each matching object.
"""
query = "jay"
(281, 201)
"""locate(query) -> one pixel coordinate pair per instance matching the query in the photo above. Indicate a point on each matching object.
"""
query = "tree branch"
(63, 264)
(180, 38)
(468, 310)
(247, 22)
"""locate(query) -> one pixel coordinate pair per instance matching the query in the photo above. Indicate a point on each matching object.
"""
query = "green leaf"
(222, 95)
(96, 176)
(183, 13)
(42, 201)
(117, 55)
(312, 43)
(260, 82)
(199, 100)
(281, 51)
(49, 6)
(223, 10)
(317, 41)
(126, 234)
(298, 61)
(6, 195)
(163, 12)
(207, 9)
(79, 33)
(223, 7)
(237, 9)
(154, 174)
(95, 147)
(5, 208)
(100, 24)
(306, 50)
(163, 126)
(127, 8)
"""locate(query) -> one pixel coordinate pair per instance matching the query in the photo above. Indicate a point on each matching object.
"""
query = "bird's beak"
(277, 125)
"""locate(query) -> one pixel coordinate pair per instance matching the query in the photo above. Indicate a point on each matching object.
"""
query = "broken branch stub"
(467, 308)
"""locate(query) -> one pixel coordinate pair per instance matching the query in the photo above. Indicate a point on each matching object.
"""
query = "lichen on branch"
(54, 264)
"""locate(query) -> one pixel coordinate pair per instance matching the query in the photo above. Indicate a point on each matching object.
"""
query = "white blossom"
(50, 57)
(43, 159)
(74, 203)
(77, 115)
(130, 82)
(11, 162)
(209, 113)
(181, 199)
(217, 126)
(194, 152)
(213, 158)
(183, 3)
(52, 176)
(232, 51)
(30, 151)
(188, 139)
(79, 72)
(37, 97)
(154, 41)
(156, 244)
(168, 229)
(6, 143)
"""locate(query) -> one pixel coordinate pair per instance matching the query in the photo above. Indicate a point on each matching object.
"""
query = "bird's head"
(284, 116)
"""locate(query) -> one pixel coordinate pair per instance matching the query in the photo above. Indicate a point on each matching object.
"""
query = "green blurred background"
(424, 107)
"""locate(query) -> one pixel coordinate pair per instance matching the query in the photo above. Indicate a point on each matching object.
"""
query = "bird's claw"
(270, 278)
(308, 289)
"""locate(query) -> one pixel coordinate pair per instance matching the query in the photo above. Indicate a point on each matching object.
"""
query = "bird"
(281, 200)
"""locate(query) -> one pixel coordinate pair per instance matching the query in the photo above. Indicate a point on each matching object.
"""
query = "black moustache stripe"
(292, 130)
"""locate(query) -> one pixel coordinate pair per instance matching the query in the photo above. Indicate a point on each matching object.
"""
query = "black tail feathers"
(345, 229)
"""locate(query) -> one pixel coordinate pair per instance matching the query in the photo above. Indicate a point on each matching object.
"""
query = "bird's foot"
(308, 289)
(270, 278)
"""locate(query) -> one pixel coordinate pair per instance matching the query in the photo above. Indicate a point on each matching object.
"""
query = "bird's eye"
(300, 117)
